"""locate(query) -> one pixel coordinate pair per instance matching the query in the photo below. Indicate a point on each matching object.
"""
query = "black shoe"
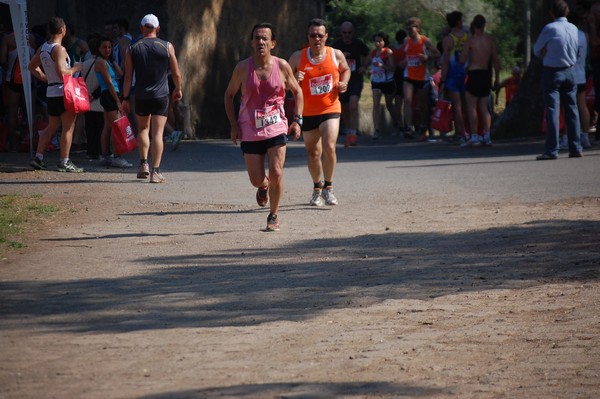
(575, 155)
(545, 157)
(38, 164)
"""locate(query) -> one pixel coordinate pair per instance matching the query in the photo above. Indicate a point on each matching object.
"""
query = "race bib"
(378, 76)
(352, 64)
(321, 85)
(413, 61)
(266, 116)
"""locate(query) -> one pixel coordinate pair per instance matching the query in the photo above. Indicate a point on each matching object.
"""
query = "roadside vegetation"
(17, 214)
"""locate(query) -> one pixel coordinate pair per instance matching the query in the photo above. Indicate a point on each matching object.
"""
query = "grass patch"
(16, 214)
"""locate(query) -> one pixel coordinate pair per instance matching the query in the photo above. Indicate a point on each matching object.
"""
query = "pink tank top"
(262, 114)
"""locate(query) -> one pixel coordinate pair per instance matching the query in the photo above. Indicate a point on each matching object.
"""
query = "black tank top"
(150, 57)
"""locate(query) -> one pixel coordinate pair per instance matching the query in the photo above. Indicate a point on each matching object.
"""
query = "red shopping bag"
(441, 120)
(123, 138)
(76, 94)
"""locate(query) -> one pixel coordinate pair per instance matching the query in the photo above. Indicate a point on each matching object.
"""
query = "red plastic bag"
(124, 140)
(441, 120)
(76, 94)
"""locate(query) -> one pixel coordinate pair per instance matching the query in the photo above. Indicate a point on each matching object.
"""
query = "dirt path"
(173, 291)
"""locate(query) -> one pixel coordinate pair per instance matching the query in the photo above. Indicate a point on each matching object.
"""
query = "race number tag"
(266, 116)
(351, 64)
(321, 85)
(414, 61)
(378, 76)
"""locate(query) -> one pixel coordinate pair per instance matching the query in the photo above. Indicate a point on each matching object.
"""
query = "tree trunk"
(523, 115)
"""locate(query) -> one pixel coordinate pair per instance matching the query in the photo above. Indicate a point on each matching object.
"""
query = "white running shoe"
(316, 199)
(327, 194)
(119, 162)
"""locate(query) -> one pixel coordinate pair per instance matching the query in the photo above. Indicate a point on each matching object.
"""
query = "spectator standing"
(150, 58)
(481, 54)
(453, 70)
(50, 63)
(557, 47)
(510, 85)
(356, 52)
(108, 72)
(94, 118)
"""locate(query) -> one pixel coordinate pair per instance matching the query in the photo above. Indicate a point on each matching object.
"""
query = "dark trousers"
(94, 122)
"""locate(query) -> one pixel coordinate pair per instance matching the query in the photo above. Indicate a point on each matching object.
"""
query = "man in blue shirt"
(557, 47)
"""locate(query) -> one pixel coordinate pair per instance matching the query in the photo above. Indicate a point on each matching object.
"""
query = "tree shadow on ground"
(244, 286)
(308, 390)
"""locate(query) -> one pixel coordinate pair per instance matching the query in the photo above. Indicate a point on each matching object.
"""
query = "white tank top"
(55, 82)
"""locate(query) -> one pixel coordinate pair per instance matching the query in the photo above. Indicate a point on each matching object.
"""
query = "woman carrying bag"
(107, 72)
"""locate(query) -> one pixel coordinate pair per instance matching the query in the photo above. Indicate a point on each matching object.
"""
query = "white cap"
(150, 20)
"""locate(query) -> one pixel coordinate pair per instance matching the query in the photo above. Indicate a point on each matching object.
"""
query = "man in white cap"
(151, 59)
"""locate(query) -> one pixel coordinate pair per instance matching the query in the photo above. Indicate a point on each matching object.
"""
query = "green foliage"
(15, 213)
(505, 19)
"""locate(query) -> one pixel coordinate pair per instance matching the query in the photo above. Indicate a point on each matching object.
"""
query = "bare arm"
(447, 45)
(294, 62)
(59, 55)
(495, 62)
(344, 69)
(291, 84)
(127, 84)
(102, 67)
(433, 51)
(35, 67)
(175, 74)
(235, 84)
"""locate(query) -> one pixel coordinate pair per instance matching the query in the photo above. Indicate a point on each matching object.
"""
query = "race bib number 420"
(266, 116)
(321, 85)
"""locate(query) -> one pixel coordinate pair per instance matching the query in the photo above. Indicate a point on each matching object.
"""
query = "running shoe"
(38, 164)
(69, 167)
(327, 194)
(316, 199)
(474, 141)
(157, 177)
(175, 139)
(376, 135)
(262, 195)
(105, 160)
(409, 134)
(272, 222)
(120, 162)
(143, 171)
(487, 141)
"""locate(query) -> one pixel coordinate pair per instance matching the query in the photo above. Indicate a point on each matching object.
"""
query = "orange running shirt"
(319, 86)
(415, 69)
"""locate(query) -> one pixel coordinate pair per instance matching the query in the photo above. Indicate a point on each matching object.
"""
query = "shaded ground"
(442, 273)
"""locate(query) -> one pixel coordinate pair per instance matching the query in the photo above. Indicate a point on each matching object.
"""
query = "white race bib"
(321, 85)
(414, 61)
(266, 116)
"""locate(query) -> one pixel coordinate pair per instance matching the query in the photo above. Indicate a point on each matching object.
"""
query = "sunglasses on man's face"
(315, 35)
(347, 33)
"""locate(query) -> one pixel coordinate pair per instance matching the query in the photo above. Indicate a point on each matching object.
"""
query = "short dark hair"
(263, 25)
(55, 25)
(384, 36)
(454, 18)
(317, 22)
(479, 21)
(559, 8)
(413, 21)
